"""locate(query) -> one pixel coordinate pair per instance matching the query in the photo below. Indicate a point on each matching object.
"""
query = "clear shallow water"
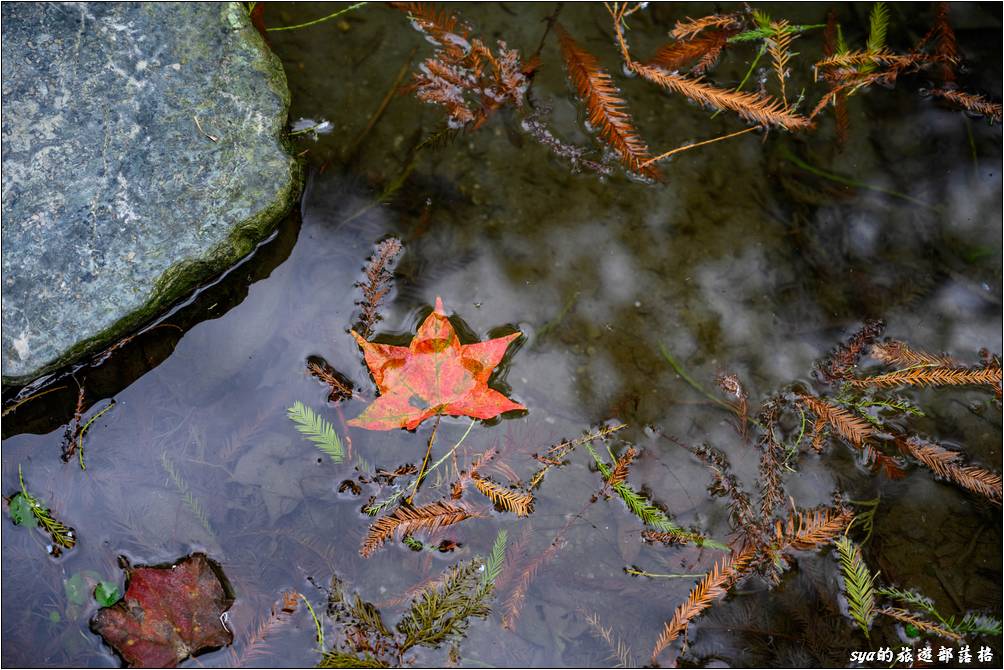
(742, 262)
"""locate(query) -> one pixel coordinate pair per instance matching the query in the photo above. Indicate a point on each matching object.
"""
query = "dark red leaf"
(168, 613)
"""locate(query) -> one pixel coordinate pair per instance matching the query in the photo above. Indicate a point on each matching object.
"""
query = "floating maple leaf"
(435, 374)
(167, 614)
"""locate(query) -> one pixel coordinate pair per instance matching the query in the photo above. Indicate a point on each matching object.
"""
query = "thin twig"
(377, 506)
(356, 143)
(8, 410)
(699, 144)
(792, 158)
(672, 575)
(320, 20)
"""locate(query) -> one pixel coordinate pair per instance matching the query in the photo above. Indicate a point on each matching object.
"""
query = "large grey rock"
(115, 203)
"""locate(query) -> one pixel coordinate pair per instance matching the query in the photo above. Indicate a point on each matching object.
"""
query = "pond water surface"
(743, 261)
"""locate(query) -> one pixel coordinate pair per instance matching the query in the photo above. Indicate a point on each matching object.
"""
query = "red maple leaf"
(435, 374)
(167, 614)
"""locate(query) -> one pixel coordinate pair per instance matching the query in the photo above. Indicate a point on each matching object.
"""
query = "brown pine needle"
(894, 352)
(256, 642)
(514, 604)
(811, 528)
(605, 107)
(669, 539)
(379, 281)
(687, 147)
(714, 586)
(521, 504)
(818, 435)
(945, 46)
(753, 107)
(688, 28)
(853, 84)
(555, 454)
(406, 520)
(704, 49)
(849, 426)
(884, 57)
(948, 465)
(970, 102)
(339, 389)
(842, 117)
(771, 465)
(562, 449)
(620, 472)
(920, 624)
(619, 650)
(934, 376)
(780, 54)
(439, 26)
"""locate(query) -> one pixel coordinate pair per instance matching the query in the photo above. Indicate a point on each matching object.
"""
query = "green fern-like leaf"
(858, 584)
(762, 19)
(440, 614)
(645, 510)
(342, 659)
(766, 31)
(977, 624)
(970, 624)
(642, 508)
(60, 533)
(911, 598)
(493, 566)
(317, 430)
(878, 26)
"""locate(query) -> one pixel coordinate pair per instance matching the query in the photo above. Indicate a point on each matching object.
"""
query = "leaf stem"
(317, 622)
(840, 179)
(698, 144)
(694, 385)
(760, 52)
(425, 461)
(375, 508)
(320, 20)
(10, 408)
(674, 575)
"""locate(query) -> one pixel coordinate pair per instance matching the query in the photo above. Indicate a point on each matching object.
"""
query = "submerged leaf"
(79, 585)
(168, 614)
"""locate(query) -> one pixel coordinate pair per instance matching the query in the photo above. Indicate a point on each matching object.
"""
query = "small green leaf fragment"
(54, 616)
(20, 511)
(107, 593)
